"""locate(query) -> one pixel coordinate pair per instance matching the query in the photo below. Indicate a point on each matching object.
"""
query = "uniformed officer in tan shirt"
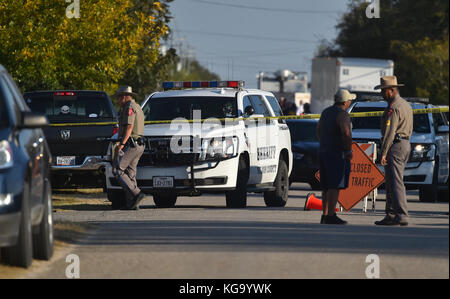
(131, 147)
(396, 129)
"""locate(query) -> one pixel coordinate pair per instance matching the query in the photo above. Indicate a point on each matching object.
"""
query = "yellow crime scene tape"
(305, 116)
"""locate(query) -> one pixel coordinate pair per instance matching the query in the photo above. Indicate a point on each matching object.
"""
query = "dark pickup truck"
(79, 121)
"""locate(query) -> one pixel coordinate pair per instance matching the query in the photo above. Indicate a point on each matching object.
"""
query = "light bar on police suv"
(202, 84)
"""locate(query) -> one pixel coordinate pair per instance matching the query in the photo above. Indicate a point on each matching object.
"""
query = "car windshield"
(64, 107)
(421, 123)
(3, 112)
(190, 107)
(303, 131)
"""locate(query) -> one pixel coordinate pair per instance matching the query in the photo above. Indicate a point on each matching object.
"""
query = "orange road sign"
(365, 176)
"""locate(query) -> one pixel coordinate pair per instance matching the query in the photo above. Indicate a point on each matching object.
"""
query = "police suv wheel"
(165, 201)
(43, 241)
(279, 197)
(21, 254)
(237, 199)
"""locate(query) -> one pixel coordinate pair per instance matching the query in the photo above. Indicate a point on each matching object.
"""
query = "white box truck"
(359, 75)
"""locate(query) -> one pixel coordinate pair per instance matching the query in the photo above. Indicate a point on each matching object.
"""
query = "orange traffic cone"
(313, 203)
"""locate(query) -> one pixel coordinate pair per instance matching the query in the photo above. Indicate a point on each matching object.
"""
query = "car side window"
(258, 104)
(438, 120)
(275, 106)
(246, 102)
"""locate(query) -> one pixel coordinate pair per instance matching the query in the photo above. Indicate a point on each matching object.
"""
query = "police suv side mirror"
(249, 110)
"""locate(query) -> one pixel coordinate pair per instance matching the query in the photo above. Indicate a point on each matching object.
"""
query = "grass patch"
(80, 200)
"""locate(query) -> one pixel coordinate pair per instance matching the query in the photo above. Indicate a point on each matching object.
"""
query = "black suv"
(79, 121)
(26, 226)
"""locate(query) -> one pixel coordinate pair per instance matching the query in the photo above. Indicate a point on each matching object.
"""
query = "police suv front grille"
(168, 159)
(158, 152)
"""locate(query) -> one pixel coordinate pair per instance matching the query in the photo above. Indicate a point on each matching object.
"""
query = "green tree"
(44, 49)
(152, 65)
(190, 70)
(412, 33)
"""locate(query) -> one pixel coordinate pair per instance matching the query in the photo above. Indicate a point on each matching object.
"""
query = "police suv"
(428, 165)
(212, 137)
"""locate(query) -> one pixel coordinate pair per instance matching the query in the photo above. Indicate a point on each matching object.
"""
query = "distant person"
(282, 103)
(300, 108)
(306, 108)
(291, 108)
(396, 129)
(335, 153)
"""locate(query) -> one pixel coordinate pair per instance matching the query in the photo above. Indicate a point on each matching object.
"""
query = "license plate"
(163, 182)
(65, 161)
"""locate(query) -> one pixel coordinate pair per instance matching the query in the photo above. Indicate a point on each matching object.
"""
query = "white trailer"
(359, 75)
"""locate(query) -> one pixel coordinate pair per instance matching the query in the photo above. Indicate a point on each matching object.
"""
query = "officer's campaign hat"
(125, 90)
(388, 82)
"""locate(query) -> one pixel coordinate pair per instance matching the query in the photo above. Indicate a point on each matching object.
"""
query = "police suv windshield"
(189, 107)
(421, 123)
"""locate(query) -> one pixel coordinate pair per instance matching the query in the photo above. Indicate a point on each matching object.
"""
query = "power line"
(255, 37)
(269, 9)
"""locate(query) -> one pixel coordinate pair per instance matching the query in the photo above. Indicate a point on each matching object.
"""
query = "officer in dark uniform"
(131, 147)
(396, 129)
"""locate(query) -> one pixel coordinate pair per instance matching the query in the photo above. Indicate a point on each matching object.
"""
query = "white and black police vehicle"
(212, 137)
(428, 166)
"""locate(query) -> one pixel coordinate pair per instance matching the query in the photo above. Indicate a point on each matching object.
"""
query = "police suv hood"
(188, 129)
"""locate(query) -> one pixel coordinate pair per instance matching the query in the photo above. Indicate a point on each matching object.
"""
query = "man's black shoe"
(136, 201)
(387, 221)
(322, 219)
(333, 220)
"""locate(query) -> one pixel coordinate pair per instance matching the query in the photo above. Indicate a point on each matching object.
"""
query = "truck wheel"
(237, 199)
(279, 197)
(43, 236)
(165, 201)
(21, 254)
(117, 198)
(429, 193)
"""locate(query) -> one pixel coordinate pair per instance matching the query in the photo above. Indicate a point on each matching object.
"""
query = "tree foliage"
(44, 49)
(412, 33)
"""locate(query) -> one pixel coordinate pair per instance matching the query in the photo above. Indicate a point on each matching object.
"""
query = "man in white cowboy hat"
(335, 153)
(396, 129)
(131, 147)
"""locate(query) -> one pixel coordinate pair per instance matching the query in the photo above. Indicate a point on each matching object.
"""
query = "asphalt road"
(200, 238)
